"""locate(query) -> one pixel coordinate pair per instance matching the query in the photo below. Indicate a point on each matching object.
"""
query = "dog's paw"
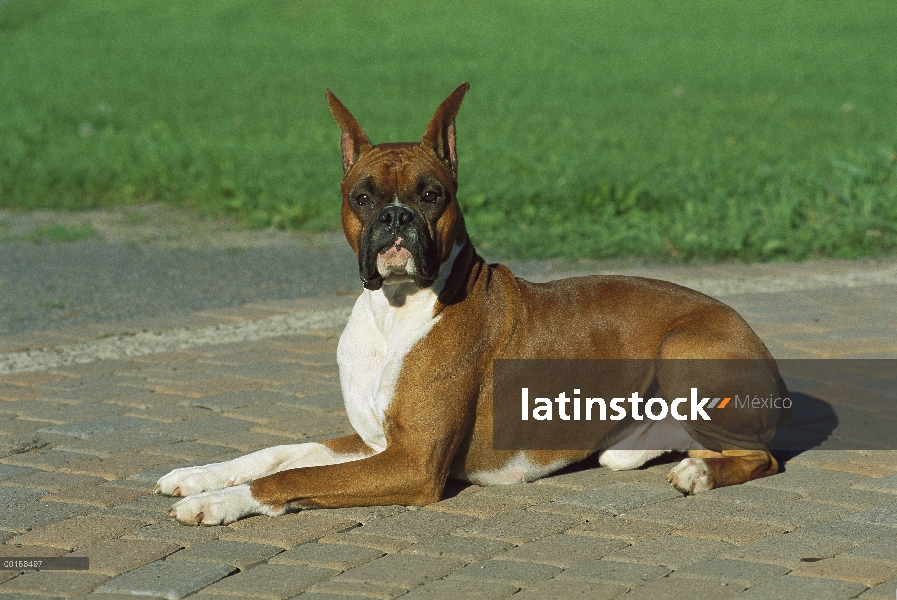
(218, 507)
(194, 480)
(690, 476)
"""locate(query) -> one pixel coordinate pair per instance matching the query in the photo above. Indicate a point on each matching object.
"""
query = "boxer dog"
(416, 357)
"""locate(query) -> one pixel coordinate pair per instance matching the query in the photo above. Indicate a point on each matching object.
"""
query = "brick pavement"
(82, 444)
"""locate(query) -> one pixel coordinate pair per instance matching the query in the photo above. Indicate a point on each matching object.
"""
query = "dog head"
(400, 213)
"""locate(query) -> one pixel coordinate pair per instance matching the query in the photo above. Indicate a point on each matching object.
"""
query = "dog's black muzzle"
(391, 223)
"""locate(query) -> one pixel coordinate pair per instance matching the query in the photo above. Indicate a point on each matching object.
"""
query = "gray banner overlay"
(788, 406)
(38, 563)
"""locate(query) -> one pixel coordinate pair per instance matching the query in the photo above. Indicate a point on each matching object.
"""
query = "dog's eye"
(362, 199)
(430, 196)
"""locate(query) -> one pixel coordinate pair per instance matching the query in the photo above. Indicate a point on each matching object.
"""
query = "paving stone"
(6, 576)
(52, 583)
(883, 484)
(170, 580)
(467, 549)
(806, 480)
(118, 466)
(288, 530)
(480, 505)
(192, 451)
(734, 531)
(404, 570)
(562, 550)
(792, 587)
(462, 590)
(355, 589)
(170, 531)
(275, 582)
(151, 476)
(670, 551)
(311, 596)
(78, 532)
(620, 528)
(246, 441)
(312, 424)
(328, 402)
(171, 413)
(529, 491)
(617, 498)
(788, 549)
(92, 427)
(623, 573)
(884, 549)
(58, 412)
(113, 557)
(415, 525)
(885, 515)
(384, 543)
(14, 496)
(742, 573)
(105, 446)
(568, 510)
(865, 570)
(515, 573)
(747, 493)
(45, 460)
(213, 427)
(201, 386)
(95, 495)
(585, 479)
(564, 590)
(883, 591)
(793, 513)
(19, 550)
(33, 515)
(367, 514)
(853, 498)
(329, 556)
(518, 527)
(52, 481)
(675, 589)
(151, 508)
(229, 401)
(242, 555)
(847, 530)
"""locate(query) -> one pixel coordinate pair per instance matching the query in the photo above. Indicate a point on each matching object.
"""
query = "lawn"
(716, 130)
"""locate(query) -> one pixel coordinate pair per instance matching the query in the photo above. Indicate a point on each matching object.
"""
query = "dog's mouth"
(390, 257)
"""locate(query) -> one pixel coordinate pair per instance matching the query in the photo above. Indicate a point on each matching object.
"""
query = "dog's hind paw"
(219, 507)
(690, 476)
(194, 480)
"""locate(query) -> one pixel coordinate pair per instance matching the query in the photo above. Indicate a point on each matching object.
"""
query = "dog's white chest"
(370, 354)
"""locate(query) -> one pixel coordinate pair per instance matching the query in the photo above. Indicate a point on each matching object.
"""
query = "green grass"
(698, 129)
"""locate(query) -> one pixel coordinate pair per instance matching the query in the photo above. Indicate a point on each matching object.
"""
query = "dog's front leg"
(394, 476)
(194, 480)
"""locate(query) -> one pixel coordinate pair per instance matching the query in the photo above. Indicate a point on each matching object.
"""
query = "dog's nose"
(395, 216)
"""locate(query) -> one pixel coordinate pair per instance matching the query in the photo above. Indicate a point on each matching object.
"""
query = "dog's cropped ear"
(354, 140)
(440, 133)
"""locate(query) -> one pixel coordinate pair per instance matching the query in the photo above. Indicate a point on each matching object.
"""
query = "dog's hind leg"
(646, 442)
(193, 480)
(705, 469)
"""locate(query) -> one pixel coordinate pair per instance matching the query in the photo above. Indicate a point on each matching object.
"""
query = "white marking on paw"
(220, 507)
(193, 480)
(690, 476)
